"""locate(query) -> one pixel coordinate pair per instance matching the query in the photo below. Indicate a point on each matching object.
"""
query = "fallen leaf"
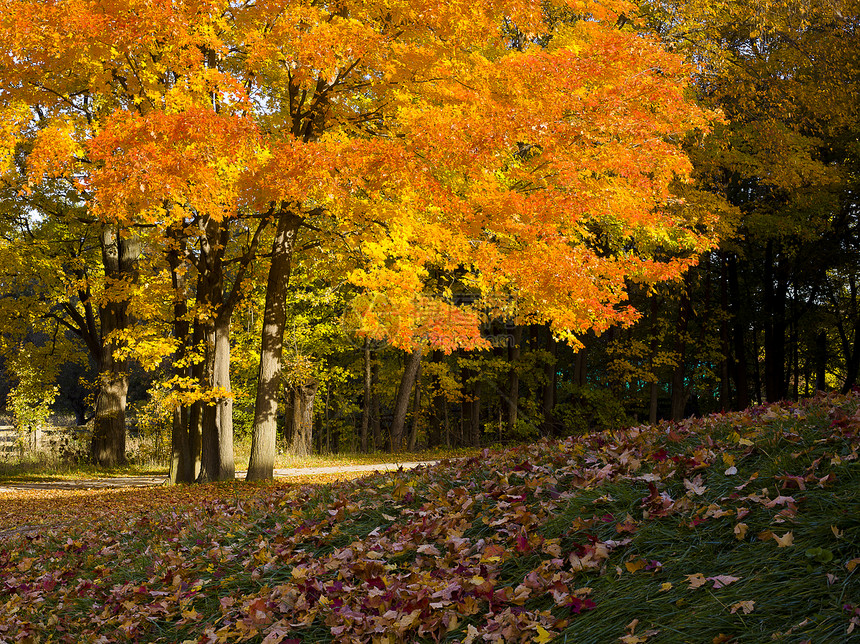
(696, 580)
(695, 486)
(780, 500)
(785, 540)
(745, 606)
(740, 531)
(428, 549)
(723, 580)
(471, 634)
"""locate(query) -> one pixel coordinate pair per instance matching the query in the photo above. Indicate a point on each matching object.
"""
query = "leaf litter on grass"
(740, 527)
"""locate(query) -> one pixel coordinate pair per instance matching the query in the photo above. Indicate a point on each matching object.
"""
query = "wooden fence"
(40, 439)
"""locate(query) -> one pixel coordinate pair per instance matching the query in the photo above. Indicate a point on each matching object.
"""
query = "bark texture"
(120, 253)
(262, 461)
(401, 402)
(301, 406)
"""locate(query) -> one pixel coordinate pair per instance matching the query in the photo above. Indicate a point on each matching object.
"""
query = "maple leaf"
(745, 606)
(695, 486)
(696, 580)
(785, 540)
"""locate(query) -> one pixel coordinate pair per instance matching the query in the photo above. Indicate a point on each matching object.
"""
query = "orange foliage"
(430, 134)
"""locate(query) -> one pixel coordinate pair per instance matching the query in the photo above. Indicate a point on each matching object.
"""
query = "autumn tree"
(67, 274)
(531, 155)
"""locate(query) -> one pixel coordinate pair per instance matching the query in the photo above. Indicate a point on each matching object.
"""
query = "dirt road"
(152, 481)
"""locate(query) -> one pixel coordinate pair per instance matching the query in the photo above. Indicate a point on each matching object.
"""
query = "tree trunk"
(738, 328)
(368, 395)
(821, 361)
(119, 257)
(108, 441)
(550, 384)
(201, 419)
(513, 398)
(181, 461)
(262, 461)
(725, 350)
(217, 462)
(416, 411)
(475, 416)
(401, 402)
(434, 431)
(375, 413)
(852, 362)
(302, 422)
(774, 328)
(653, 389)
(679, 390)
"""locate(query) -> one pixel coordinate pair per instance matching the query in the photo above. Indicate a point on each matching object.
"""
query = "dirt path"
(153, 481)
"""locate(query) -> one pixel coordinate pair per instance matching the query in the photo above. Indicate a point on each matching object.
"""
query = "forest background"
(396, 333)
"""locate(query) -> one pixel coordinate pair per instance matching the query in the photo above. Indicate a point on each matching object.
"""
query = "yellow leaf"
(471, 634)
(740, 531)
(745, 606)
(785, 540)
(836, 532)
(851, 565)
(634, 565)
(696, 580)
(665, 586)
(543, 636)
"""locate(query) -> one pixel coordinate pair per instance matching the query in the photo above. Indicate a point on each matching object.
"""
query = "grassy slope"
(737, 528)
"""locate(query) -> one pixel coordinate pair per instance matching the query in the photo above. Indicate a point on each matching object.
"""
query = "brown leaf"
(745, 606)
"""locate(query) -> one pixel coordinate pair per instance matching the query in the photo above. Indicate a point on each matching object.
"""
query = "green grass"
(47, 469)
(739, 528)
